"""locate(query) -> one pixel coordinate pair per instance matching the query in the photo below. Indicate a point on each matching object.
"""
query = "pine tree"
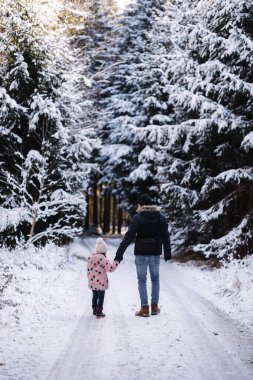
(133, 99)
(94, 40)
(207, 160)
(44, 149)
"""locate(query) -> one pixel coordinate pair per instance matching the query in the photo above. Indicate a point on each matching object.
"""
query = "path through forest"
(190, 339)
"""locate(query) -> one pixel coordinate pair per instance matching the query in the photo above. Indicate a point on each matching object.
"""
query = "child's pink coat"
(97, 268)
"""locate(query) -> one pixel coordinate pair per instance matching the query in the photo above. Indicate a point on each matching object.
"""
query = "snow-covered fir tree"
(206, 170)
(44, 148)
(133, 98)
(94, 39)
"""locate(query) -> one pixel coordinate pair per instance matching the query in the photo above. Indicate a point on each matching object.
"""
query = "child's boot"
(100, 313)
(94, 308)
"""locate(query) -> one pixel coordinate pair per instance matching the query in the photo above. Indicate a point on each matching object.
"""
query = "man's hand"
(118, 259)
(167, 257)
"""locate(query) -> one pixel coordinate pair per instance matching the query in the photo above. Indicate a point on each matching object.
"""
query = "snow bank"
(39, 308)
(233, 289)
(230, 288)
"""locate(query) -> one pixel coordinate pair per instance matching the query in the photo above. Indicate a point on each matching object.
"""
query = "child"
(97, 268)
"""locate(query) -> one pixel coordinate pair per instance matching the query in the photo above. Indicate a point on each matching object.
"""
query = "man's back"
(148, 223)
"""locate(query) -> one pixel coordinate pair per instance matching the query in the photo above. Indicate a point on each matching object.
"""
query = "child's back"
(97, 268)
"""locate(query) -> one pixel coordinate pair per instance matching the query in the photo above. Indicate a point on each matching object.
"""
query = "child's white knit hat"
(101, 246)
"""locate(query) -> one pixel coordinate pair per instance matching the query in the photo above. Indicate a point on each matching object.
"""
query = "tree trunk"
(36, 213)
(107, 205)
(95, 206)
(87, 216)
(114, 214)
(33, 225)
(120, 219)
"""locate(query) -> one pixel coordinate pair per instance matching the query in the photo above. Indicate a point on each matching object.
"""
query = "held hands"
(167, 257)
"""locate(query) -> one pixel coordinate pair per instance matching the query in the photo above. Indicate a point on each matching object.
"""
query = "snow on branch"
(11, 218)
(228, 245)
(247, 142)
(235, 176)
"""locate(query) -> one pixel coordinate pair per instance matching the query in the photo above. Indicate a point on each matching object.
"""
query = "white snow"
(230, 287)
(13, 217)
(228, 176)
(49, 332)
(247, 142)
(141, 172)
(212, 213)
(122, 4)
(33, 155)
(39, 309)
(226, 245)
(147, 154)
(116, 153)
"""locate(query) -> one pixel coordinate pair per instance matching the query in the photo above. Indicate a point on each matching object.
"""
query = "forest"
(154, 98)
(121, 122)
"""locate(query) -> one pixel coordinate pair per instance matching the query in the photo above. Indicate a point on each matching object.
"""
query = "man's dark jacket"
(148, 223)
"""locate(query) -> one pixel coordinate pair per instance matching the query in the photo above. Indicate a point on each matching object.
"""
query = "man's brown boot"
(154, 309)
(143, 312)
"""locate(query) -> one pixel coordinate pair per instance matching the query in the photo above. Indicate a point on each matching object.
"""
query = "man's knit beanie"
(144, 200)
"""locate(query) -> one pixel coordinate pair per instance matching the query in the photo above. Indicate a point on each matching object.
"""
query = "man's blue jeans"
(142, 263)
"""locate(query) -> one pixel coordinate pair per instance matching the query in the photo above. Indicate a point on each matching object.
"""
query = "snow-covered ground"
(230, 288)
(39, 309)
(205, 328)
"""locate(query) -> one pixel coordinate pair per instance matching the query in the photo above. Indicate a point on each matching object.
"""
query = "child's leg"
(95, 301)
(101, 297)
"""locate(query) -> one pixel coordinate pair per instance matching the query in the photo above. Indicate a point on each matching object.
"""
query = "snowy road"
(189, 340)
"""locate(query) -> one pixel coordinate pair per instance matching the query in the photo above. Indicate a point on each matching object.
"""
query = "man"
(150, 229)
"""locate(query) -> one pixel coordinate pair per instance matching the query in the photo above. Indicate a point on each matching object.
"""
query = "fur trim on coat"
(148, 208)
